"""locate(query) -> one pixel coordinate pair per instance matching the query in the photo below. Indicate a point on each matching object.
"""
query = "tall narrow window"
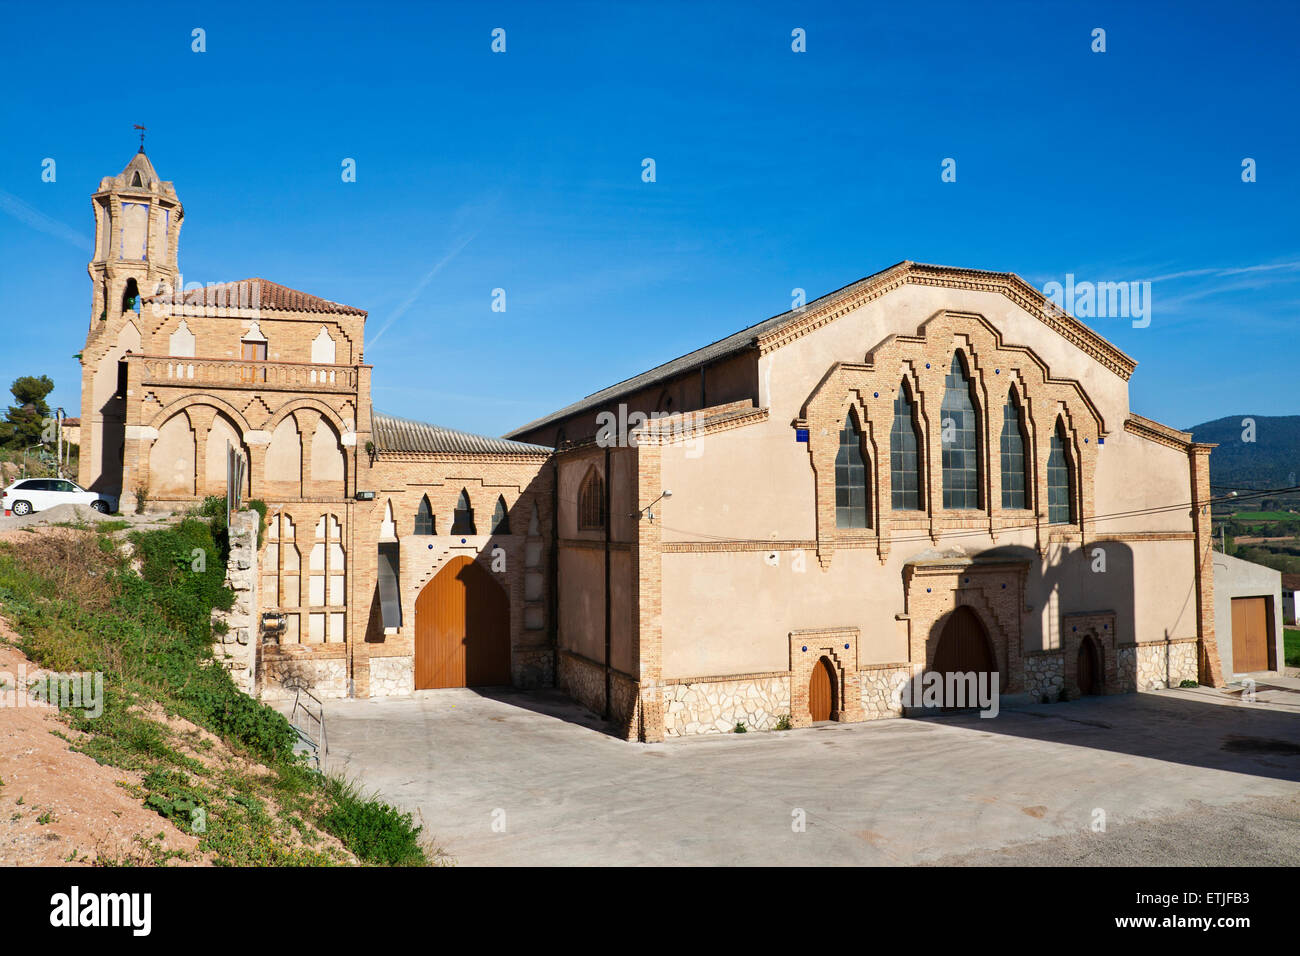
(390, 604)
(850, 478)
(424, 523)
(591, 502)
(501, 517)
(463, 517)
(1015, 473)
(960, 441)
(904, 462)
(1060, 479)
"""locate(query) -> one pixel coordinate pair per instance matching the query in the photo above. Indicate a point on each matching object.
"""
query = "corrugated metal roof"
(747, 338)
(406, 435)
(732, 344)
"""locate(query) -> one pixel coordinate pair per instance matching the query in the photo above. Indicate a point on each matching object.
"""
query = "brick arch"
(992, 630)
(994, 592)
(183, 404)
(297, 404)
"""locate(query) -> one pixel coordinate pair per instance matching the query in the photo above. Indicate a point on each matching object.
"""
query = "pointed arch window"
(463, 517)
(424, 520)
(501, 517)
(1015, 463)
(904, 460)
(959, 436)
(1060, 478)
(591, 502)
(850, 477)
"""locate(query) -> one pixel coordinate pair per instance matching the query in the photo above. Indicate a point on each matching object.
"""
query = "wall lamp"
(648, 510)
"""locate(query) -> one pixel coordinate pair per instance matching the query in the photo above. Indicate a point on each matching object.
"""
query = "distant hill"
(1267, 462)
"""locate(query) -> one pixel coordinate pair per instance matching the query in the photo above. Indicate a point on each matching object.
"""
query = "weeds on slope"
(142, 616)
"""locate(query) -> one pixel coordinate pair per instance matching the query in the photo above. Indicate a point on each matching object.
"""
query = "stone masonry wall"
(1044, 675)
(391, 676)
(715, 706)
(236, 650)
(1165, 663)
(882, 689)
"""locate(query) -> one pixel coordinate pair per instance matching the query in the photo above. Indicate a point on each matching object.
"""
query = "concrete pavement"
(507, 777)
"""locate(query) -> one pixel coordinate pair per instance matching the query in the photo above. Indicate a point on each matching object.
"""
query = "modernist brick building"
(380, 531)
(930, 469)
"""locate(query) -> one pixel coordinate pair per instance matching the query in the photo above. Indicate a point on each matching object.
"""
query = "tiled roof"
(405, 435)
(257, 294)
(748, 338)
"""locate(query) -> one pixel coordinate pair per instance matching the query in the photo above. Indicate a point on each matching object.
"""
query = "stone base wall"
(583, 681)
(1126, 667)
(882, 690)
(236, 649)
(534, 667)
(1165, 663)
(716, 705)
(326, 677)
(392, 676)
(1044, 675)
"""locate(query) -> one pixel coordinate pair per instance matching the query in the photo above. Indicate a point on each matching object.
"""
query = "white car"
(36, 494)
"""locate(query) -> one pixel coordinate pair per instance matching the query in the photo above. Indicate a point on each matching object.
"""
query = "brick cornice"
(1007, 284)
(1163, 435)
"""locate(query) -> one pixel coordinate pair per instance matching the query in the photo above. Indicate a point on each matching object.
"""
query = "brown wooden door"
(462, 629)
(253, 352)
(963, 648)
(1086, 674)
(821, 691)
(1250, 634)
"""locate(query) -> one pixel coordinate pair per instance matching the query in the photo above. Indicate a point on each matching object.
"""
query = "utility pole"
(58, 458)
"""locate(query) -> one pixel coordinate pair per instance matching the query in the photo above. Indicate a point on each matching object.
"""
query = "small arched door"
(1089, 669)
(964, 648)
(821, 691)
(462, 629)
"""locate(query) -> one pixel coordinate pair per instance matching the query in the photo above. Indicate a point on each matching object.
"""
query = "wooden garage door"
(1249, 634)
(963, 648)
(462, 629)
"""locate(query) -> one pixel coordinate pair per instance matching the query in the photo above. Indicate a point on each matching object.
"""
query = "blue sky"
(775, 170)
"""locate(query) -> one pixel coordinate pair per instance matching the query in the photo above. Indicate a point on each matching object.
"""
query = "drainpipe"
(609, 490)
(553, 617)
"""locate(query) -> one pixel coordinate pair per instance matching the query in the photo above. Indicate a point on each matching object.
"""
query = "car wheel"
(100, 506)
(21, 508)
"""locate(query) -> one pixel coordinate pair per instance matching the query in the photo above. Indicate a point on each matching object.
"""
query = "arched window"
(501, 517)
(424, 520)
(1015, 464)
(959, 436)
(904, 462)
(1060, 478)
(591, 502)
(131, 296)
(463, 517)
(850, 478)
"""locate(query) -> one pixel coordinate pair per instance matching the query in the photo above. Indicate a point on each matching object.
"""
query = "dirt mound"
(60, 807)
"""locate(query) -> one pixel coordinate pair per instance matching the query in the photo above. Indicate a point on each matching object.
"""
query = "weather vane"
(142, 130)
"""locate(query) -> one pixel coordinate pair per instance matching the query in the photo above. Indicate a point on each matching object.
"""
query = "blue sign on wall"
(801, 434)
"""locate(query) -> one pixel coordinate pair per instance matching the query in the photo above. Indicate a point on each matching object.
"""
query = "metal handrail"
(321, 745)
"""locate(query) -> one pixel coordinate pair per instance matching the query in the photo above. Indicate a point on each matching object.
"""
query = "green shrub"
(1189, 683)
(740, 728)
(376, 832)
(783, 722)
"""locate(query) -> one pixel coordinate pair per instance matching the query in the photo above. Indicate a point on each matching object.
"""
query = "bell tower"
(137, 234)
